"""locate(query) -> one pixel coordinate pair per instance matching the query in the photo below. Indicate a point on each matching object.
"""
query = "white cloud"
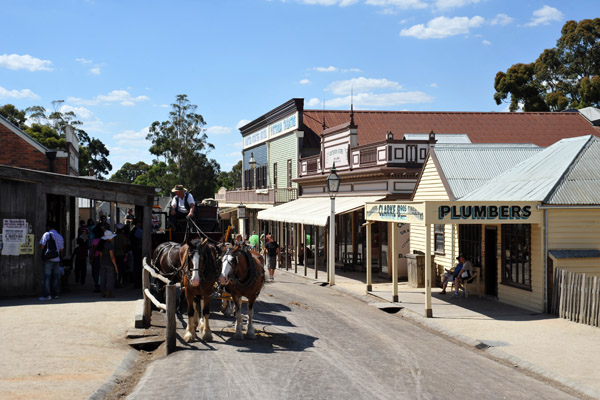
(381, 100)
(120, 155)
(442, 27)
(314, 102)
(326, 69)
(135, 139)
(305, 82)
(544, 16)
(351, 70)
(341, 3)
(15, 61)
(95, 70)
(238, 145)
(398, 4)
(218, 130)
(448, 4)
(501, 19)
(242, 123)
(83, 60)
(486, 42)
(433, 85)
(234, 154)
(164, 106)
(361, 85)
(116, 96)
(81, 112)
(17, 94)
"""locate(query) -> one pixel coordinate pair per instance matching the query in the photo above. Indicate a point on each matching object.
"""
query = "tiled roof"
(542, 129)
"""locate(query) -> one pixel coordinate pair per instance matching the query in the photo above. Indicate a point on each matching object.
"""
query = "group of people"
(270, 250)
(461, 273)
(114, 256)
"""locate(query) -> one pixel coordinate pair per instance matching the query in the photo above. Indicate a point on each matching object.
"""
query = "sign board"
(14, 232)
(337, 154)
(275, 129)
(486, 213)
(408, 213)
(455, 212)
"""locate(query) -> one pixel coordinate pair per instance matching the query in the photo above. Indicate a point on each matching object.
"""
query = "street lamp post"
(252, 163)
(333, 185)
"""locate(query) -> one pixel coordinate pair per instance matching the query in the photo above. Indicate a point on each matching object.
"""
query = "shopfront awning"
(313, 210)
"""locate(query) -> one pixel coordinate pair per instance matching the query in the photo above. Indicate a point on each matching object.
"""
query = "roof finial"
(323, 116)
(352, 106)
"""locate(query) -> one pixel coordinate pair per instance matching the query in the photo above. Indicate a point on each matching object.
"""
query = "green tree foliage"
(181, 141)
(566, 76)
(158, 176)
(129, 172)
(15, 116)
(48, 128)
(231, 179)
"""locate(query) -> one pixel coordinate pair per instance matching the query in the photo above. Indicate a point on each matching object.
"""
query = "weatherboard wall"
(281, 150)
(574, 228)
(431, 187)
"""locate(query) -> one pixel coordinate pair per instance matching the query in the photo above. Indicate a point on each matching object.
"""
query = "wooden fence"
(168, 307)
(576, 297)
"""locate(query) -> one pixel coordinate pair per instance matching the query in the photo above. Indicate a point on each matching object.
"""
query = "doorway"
(491, 261)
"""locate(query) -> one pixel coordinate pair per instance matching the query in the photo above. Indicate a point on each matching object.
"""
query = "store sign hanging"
(395, 212)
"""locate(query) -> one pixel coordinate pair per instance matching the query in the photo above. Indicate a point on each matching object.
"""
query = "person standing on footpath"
(80, 255)
(53, 245)
(135, 237)
(272, 252)
(108, 264)
(95, 255)
(122, 246)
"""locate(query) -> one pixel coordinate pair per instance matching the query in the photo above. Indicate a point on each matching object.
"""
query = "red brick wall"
(16, 152)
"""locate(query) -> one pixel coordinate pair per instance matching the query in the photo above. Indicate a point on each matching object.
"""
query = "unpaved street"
(317, 343)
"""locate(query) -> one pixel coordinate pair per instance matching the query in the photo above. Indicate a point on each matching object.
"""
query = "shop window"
(516, 255)
(469, 243)
(289, 173)
(438, 234)
(275, 175)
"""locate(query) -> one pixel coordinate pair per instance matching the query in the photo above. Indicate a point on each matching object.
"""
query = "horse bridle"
(202, 255)
(251, 278)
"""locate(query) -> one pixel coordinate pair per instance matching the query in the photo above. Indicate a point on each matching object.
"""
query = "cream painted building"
(518, 212)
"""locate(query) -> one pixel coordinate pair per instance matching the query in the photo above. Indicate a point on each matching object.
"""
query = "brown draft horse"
(193, 264)
(243, 277)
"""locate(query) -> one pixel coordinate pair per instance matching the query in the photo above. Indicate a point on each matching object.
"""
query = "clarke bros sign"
(436, 212)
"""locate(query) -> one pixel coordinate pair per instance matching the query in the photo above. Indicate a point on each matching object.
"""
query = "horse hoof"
(239, 336)
(250, 335)
(188, 337)
(207, 337)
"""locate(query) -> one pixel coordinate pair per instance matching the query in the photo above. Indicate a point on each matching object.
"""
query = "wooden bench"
(475, 279)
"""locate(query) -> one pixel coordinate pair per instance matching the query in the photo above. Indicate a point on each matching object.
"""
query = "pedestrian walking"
(53, 245)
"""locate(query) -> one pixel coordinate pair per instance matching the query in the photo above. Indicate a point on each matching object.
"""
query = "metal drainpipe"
(546, 305)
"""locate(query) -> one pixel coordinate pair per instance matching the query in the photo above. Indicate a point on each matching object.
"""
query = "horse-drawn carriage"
(196, 258)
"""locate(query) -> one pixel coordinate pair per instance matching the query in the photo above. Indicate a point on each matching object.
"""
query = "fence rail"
(168, 306)
(576, 297)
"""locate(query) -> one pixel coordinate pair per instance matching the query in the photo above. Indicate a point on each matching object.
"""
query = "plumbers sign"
(437, 212)
(483, 213)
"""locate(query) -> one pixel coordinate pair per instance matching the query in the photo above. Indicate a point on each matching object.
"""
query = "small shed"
(29, 199)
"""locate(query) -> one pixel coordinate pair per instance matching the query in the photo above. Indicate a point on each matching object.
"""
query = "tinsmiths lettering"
(484, 212)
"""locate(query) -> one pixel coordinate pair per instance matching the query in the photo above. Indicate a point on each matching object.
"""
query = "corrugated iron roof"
(575, 253)
(468, 166)
(565, 173)
(540, 128)
(441, 138)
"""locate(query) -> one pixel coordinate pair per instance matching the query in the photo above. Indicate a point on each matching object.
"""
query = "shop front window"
(516, 255)
(439, 238)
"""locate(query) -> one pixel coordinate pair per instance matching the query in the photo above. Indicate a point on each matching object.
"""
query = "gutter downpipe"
(546, 305)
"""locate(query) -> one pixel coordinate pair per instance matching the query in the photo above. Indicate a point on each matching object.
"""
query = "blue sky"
(120, 64)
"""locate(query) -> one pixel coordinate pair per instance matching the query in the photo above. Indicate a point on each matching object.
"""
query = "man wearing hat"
(182, 206)
(465, 273)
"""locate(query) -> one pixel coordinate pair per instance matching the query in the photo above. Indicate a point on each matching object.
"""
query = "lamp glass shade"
(252, 161)
(333, 182)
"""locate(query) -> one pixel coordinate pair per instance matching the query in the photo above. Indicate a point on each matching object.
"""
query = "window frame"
(274, 175)
(439, 234)
(512, 238)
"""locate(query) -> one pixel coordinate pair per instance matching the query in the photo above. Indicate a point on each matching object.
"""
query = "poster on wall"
(14, 233)
(28, 246)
